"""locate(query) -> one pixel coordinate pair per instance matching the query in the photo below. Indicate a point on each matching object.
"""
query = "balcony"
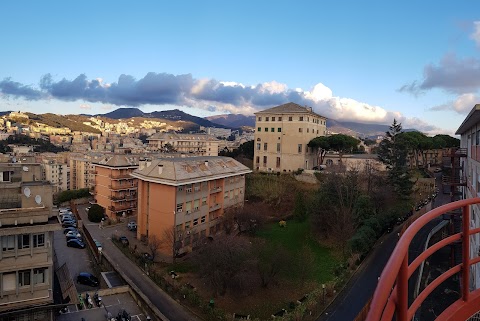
(123, 187)
(454, 181)
(215, 190)
(119, 208)
(214, 207)
(129, 197)
(120, 176)
(390, 300)
(455, 152)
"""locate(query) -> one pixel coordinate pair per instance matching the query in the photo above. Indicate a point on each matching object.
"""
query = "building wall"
(283, 143)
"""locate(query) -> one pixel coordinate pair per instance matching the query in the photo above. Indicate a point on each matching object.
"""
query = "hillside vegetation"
(59, 121)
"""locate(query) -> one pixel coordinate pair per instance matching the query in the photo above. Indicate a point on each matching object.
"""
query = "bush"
(363, 240)
(96, 213)
(66, 196)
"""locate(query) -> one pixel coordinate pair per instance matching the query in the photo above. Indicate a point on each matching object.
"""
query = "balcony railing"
(454, 180)
(391, 295)
(118, 208)
(120, 176)
(129, 197)
(214, 207)
(122, 187)
(454, 152)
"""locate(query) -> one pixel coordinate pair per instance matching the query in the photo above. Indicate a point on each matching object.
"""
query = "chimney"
(160, 169)
(206, 163)
(148, 163)
(141, 164)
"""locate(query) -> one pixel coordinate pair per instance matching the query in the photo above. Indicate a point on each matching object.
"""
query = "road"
(362, 285)
(164, 303)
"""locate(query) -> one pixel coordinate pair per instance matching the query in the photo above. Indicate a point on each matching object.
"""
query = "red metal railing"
(391, 295)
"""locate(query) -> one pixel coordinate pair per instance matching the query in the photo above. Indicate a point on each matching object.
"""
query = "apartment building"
(81, 172)
(58, 174)
(431, 157)
(187, 196)
(281, 138)
(114, 189)
(27, 225)
(194, 144)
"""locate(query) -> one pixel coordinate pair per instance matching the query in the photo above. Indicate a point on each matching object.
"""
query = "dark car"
(87, 279)
(70, 229)
(124, 240)
(73, 237)
(68, 218)
(147, 257)
(69, 224)
(76, 243)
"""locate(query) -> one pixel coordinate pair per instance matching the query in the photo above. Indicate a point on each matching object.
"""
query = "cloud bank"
(207, 94)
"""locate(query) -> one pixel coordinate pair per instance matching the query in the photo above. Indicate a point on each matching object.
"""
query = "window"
(273, 118)
(180, 189)
(299, 148)
(188, 207)
(265, 145)
(300, 130)
(278, 162)
(259, 146)
(279, 130)
(204, 200)
(266, 129)
(257, 159)
(23, 241)
(187, 224)
(477, 140)
(38, 240)
(39, 275)
(266, 118)
(290, 118)
(308, 130)
(202, 220)
(279, 118)
(24, 277)
(236, 192)
(259, 118)
(188, 188)
(196, 204)
(231, 193)
(278, 147)
(179, 207)
(195, 222)
(8, 242)
(272, 130)
(300, 118)
(259, 129)
(8, 281)
(197, 187)
(264, 160)
(6, 176)
(317, 131)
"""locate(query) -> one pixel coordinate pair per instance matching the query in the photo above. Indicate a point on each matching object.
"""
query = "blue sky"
(366, 61)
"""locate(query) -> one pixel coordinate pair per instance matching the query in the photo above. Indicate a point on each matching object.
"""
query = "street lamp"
(323, 287)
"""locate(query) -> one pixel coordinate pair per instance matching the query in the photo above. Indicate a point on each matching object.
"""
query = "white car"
(72, 233)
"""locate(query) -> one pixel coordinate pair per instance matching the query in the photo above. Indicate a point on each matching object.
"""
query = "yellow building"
(281, 138)
(194, 144)
(27, 224)
(115, 190)
(187, 196)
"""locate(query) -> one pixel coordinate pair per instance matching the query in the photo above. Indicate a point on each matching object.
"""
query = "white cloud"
(85, 106)
(462, 105)
(319, 92)
(476, 33)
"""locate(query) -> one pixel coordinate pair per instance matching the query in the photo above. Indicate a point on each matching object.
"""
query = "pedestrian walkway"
(171, 309)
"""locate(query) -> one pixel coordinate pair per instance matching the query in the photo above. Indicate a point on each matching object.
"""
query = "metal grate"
(475, 317)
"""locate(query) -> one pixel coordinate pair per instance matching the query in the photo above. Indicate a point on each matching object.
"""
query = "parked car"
(76, 243)
(147, 257)
(132, 226)
(73, 233)
(124, 240)
(98, 244)
(69, 224)
(70, 229)
(437, 170)
(68, 218)
(87, 279)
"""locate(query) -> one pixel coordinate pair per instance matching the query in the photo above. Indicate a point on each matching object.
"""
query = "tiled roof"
(178, 171)
(117, 160)
(176, 136)
(288, 108)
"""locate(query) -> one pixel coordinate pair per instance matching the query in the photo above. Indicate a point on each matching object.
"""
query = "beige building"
(58, 174)
(187, 196)
(115, 190)
(194, 144)
(27, 224)
(81, 172)
(281, 138)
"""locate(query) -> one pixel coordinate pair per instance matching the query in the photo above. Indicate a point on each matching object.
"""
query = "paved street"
(362, 285)
(169, 307)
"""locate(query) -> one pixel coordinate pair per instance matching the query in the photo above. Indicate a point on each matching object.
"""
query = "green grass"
(294, 237)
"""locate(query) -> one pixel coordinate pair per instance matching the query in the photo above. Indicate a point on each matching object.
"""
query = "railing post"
(402, 290)
(466, 253)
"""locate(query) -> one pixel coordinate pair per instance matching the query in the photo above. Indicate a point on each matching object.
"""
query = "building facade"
(187, 196)
(58, 174)
(193, 144)
(115, 189)
(27, 224)
(281, 138)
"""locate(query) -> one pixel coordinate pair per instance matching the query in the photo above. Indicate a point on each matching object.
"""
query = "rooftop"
(289, 108)
(117, 160)
(176, 136)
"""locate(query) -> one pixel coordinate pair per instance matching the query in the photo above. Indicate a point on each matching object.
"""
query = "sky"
(364, 61)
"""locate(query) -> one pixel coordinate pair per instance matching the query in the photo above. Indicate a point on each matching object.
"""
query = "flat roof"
(472, 119)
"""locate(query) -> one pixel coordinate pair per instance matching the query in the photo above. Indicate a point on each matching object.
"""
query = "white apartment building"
(57, 174)
(194, 144)
(281, 137)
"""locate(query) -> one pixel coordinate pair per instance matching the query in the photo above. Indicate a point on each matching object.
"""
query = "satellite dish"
(25, 168)
(38, 199)
(26, 191)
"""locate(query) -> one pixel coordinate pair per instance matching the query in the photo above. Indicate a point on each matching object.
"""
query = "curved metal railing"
(391, 295)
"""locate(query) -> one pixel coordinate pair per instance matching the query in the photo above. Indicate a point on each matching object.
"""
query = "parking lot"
(112, 304)
(78, 260)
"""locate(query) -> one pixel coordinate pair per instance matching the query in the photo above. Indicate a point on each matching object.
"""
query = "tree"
(172, 241)
(321, 145)
(339, 143)
(272, 260)
(96, 213)
(363, 209)
(154, 244)
(393, 153)
(300, 208)
(168, 148)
